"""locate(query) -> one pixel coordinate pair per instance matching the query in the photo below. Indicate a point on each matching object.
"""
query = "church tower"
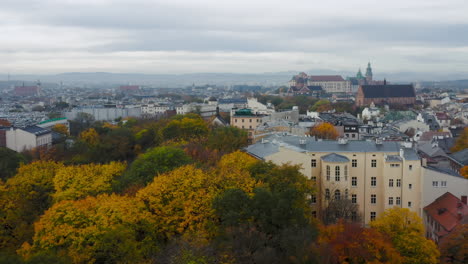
(369, 73)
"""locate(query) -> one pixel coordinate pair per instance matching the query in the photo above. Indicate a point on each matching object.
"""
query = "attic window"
(441, 210)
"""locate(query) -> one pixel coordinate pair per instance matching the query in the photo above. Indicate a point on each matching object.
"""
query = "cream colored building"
(330, 83)
(373, 175)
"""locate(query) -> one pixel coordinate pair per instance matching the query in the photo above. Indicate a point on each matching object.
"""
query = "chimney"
(463, 199)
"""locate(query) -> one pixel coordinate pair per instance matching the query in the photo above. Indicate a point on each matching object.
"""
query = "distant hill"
(183, 80)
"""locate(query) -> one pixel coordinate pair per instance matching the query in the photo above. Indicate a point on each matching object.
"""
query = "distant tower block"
(369, 73)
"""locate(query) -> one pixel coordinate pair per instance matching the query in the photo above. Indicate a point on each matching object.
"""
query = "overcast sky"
(241, 36)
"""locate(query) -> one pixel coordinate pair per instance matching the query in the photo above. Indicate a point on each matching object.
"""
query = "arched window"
(327, 194)
(337, 195)
(346, 172)
(337, 173)
(328, 173)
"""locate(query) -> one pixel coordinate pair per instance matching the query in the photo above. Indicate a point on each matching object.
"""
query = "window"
(373, 199)
(353, 216)
(435, 184)
(250, 120)
(398, 201)
(346, 172)
(372, 216)
(313, 199)
(443, 184)
(394, 165)
(250, 127)
(314, 178)
(242, 120)
(373, 181)
(328, 173)
(390, 183)
(354, 198)
(410, 186)
(327, 194)
(390, 200)
(346, 194)
(313, 163)
(354, 181)
(354, 163)
(398, 183)
(373, 163)
(314, 214)
(337, 195)
(410, 167)
(235, 120)
(337, 173)
(409, 204)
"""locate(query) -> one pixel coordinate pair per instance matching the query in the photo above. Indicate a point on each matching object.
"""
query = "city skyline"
(50, 37)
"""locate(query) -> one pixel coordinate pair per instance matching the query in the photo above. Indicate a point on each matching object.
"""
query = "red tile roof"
(442, 116)
(444, 210)
(326, 78)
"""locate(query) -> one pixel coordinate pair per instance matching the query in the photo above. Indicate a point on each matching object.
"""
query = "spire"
(369, 72)
(359, 75)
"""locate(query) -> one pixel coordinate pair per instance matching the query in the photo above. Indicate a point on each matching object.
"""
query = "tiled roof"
(326, 78)
(391, 90)
(461, 157)
(333, 157)
(429, 135)
(444, 210)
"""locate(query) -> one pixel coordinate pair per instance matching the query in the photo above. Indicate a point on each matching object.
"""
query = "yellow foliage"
(464, 172)
(182, 199)
(75, 182)
(406, 230)
(79, 228)
(61, 128)
(324, 131)
(90, 136)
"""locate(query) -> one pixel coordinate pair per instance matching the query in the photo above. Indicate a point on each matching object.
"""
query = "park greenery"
(178, 190)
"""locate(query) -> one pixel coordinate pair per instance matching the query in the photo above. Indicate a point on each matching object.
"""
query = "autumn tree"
(464, 171)
(406, 230)
(352, 243)
(76, 182)
(9, 162)
(102, 229)
(22, 199)
(227, 139)
(90, 136)
(462, 141)
(324, 131)
(454, 246)
(155, 161)
(185, 128)
(182, 199)
(61, 129)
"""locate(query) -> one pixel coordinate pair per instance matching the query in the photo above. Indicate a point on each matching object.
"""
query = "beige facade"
(374, 180)
(247, 122)
(332, 86)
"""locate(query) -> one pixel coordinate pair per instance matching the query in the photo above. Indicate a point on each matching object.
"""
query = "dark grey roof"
(333, 157)
(444, 170)
(432, 151)
(391, 90)
(410, 154)
(460, 157)
(38, 131)
(261, 150)
(393, 158)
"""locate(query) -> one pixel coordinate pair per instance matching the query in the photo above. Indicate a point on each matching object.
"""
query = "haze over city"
(426, 39)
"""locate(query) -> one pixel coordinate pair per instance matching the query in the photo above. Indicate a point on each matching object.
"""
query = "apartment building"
(246, 119)
(373, 175)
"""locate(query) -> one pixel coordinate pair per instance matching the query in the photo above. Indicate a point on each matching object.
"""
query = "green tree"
(227, 139)
(9, 162)
(152, 163)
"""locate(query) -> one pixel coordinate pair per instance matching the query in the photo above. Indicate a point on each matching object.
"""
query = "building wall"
(364, 172)
(362, 101)
(19, 140)
(332, 86)
(458, 186)
(105, 114)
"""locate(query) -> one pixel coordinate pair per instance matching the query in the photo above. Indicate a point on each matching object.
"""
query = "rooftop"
(333, 157)
(391, 90)
(326, 78)
(444, 210)
(38, 131)
(460, 157)
(52, 120)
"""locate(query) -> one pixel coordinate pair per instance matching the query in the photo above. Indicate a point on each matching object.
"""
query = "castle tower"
(369, 73)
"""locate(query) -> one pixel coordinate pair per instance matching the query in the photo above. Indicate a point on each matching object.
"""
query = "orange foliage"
(324, 131)
(464, 172)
